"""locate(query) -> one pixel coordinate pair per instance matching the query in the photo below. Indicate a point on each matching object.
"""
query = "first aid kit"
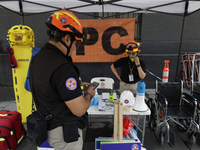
(12, 131)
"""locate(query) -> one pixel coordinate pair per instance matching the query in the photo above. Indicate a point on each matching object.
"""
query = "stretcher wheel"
(191, 138)
(162, 137)
(185, 123)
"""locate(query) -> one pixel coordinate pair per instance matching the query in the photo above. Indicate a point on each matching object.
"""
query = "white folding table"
(94, 110)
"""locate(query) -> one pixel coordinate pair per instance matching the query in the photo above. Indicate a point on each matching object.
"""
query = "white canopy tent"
(83, 6)
(174, 7)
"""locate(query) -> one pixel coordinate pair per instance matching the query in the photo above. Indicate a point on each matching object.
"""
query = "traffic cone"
(165, 71)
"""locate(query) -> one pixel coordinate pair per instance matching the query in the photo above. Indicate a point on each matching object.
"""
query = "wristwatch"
(90, 95)
(138, 65)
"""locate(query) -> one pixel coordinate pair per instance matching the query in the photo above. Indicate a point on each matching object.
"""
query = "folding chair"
(171, 104)
(104, 82)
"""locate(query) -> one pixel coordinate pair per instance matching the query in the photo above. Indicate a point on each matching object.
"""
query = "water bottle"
(111, 96)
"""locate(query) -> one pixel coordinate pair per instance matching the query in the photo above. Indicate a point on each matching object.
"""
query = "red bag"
(12, 131)
(127, 125)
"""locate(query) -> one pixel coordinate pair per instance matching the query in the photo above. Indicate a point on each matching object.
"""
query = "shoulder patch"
(71, 84)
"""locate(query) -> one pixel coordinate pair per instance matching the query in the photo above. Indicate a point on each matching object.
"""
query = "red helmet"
(66, 21)
(132, 46)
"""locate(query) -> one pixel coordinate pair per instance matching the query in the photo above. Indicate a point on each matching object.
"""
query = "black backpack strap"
(56, 111)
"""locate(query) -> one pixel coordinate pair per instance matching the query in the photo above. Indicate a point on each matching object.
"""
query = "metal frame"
(166, 118)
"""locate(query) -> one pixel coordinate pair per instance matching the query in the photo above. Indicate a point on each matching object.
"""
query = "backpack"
(27, 83)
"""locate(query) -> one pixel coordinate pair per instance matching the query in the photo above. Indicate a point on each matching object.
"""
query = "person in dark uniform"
(55, 80)
(132, 68)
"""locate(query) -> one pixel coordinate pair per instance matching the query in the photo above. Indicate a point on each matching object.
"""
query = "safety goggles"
(133, 47)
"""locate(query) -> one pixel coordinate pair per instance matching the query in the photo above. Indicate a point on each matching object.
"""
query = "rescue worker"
(54, 80)
(132, 68)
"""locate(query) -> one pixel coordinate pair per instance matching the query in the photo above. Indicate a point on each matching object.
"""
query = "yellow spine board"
(21, 39)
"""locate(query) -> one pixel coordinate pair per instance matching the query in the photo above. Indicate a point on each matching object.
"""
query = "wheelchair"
(195, 91)
(171, 104)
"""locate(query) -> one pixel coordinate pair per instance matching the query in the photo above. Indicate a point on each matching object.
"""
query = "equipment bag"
(12, 131)
(37, 125)
(36, 128)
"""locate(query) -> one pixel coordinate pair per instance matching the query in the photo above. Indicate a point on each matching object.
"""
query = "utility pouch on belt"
(82, 123)
(70, 132)
(37, 125)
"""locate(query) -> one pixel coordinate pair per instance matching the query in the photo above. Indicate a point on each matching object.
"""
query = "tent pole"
(180, 46)
(21, 11)
(102, 11)
(22, 19)
(101, 2)
(180, 50)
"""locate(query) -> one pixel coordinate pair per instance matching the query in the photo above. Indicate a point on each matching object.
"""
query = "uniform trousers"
(125, 86)
(56, 140)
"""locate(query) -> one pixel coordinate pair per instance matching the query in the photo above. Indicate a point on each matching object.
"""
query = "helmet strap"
(68, 47)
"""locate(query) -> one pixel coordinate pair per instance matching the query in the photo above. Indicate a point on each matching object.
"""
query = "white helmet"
(127, 98)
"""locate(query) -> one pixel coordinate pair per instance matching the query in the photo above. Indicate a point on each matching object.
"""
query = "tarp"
(84, 6)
